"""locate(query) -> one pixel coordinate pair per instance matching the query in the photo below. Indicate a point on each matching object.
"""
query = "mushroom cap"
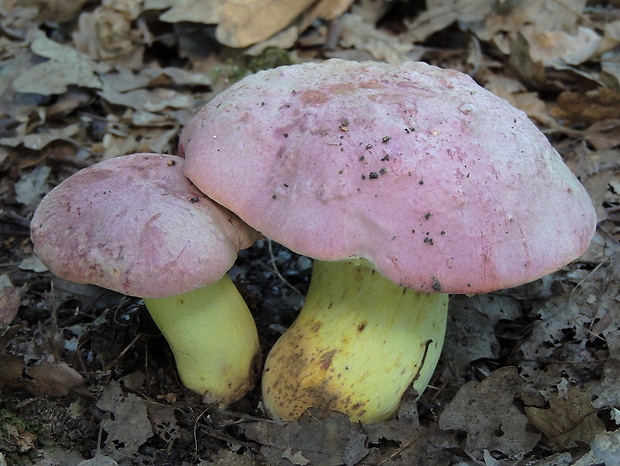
(440, 184)
(135, 224)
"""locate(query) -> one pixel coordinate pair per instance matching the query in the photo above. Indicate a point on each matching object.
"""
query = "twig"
(122, 353)
(272, 261)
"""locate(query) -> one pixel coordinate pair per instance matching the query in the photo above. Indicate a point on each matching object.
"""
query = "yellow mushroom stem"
(359, 342)
(213, 338)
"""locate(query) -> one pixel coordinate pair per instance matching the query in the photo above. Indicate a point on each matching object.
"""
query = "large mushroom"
(405, 182)
(135, 224)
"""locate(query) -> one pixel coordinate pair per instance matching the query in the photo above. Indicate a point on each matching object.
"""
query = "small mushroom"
(136, 225)
(469, 198)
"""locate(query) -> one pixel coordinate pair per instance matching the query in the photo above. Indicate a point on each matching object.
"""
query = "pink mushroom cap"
(135, 224)
(440, 184)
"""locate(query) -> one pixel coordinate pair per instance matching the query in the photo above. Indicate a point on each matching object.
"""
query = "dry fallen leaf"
(557, 347)
(239, 22)
(589, 107)
(486, 412)
(65, 67)
(32, 185)
(129, 426)
(10, 299)
(502, 23)
(471, 329)
(415, 445)
(150, 100)
(607, 393)
(44, 378)
(441, 13)
(558, 48)
(61, 11)
(142, 139)
(51, 378)
(38, 141)
(230, 458)
(163, 421)
(568, 420)
(606, 448)
(11, 367)
(363, 36)
(515, 92)
(110, 34)
(98, 460)
(318, 437)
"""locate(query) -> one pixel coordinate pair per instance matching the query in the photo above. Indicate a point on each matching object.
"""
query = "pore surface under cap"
(135, 224)
(436, 181)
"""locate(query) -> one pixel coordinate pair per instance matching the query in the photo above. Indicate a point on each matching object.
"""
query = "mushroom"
(136, 225)
(405, 182)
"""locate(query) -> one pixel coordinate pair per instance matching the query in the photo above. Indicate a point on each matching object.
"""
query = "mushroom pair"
(404, 182)
(137, 225)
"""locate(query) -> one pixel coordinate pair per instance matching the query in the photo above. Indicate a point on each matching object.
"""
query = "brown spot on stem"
(326, 360)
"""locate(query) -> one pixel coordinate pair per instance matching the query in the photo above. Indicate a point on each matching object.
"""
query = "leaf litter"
(527, 376)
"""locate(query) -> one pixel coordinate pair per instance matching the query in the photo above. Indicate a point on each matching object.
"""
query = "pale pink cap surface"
(135, 224)
(437, 182)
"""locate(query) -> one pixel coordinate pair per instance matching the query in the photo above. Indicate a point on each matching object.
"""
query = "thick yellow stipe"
(358, 343)
(213, 337)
